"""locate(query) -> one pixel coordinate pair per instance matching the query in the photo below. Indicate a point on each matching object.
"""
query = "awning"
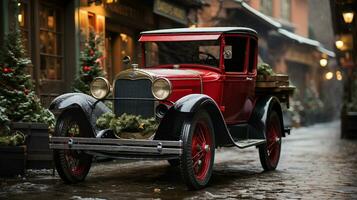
(290, 35)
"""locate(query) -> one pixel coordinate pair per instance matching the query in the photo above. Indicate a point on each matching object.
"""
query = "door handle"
(249, 79)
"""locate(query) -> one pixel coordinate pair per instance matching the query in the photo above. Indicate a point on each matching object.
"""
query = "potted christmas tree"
(91, 59)
(20, 109)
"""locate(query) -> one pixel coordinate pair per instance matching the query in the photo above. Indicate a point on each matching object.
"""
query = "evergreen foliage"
(265, 69)
(128, 126)
(18, 101)
(90, 61)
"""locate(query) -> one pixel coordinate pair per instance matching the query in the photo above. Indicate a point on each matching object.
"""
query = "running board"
(248, 142)
(120, 146)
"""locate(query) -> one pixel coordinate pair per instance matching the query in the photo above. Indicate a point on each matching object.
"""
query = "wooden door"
(49, 49)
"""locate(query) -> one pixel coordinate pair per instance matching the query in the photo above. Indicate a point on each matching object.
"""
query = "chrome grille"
(134, 97)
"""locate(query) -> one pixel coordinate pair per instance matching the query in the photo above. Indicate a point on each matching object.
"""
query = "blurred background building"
(345, 30)
(54, 32)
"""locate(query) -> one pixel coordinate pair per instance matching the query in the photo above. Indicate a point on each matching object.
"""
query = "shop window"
(285, 9)
(235, 53)
(252, 55)
(51, 39)
(23, 19)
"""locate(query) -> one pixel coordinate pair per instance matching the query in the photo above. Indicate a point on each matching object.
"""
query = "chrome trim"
(132, 74)
(107, 84)
(139, 146)
(170, 90)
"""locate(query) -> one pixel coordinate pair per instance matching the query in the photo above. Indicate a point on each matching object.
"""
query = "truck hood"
(184, 81)
(171, 74)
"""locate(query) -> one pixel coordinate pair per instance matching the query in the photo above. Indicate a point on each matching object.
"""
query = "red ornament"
(26, 91)
(86, 68)
(7, 70)
(91, 52)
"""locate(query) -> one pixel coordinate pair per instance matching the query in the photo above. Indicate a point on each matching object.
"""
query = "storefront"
(48, 32)
(119, 23)
(54, 32)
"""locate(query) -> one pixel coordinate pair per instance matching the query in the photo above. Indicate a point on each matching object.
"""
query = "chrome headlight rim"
(107, 87)
(169, 88)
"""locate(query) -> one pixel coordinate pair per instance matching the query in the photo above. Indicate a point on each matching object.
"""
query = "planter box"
(349, 125)
(12, 160)
(39, 156)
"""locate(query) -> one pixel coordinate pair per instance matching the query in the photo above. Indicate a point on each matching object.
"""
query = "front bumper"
(129, 148)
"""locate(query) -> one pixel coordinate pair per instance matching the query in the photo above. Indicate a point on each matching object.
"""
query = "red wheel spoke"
(198, 155)
(272, 143)
(201, 135)
(196, 162)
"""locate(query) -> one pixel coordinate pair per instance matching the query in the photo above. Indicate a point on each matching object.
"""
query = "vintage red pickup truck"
(198, 84)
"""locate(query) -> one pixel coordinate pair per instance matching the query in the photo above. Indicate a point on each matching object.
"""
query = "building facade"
(55, 31)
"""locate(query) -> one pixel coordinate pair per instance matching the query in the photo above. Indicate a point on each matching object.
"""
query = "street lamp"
(323, 62)
(339, 44)
(329, 75)
(348, 17)
(338, 75)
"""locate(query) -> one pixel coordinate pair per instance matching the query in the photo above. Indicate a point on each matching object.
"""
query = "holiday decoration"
(128, 126)
(18, 101)
(90, 62)
(265, 69)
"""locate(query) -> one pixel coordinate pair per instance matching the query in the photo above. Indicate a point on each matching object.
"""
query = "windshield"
(182, 52)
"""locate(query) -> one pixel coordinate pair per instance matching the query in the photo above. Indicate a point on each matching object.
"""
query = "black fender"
(190, 104)
(260, 114)
(91, 107)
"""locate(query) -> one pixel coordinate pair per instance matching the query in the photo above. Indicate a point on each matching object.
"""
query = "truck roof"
(203, 30)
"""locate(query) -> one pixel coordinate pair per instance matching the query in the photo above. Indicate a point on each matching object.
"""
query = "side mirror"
(126, 60)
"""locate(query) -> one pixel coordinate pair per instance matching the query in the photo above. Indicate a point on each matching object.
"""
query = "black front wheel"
(196, 162)
(72, 165)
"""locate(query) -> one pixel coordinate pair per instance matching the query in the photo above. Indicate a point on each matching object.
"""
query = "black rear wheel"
(269, 153)
(198, 151)
(72, 165)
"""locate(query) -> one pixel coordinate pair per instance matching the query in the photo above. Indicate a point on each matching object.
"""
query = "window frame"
(246, 57)
(57, 33)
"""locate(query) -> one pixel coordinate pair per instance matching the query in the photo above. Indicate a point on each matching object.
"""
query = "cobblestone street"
(315, 164)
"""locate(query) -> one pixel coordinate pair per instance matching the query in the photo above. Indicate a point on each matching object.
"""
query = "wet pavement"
(315, 164)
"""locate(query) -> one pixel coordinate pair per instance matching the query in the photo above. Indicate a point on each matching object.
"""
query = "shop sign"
(170, 10)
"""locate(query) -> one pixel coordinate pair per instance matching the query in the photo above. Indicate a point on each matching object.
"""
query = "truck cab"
(198, 84)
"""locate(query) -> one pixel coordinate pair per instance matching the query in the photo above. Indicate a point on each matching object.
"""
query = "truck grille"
(133, 97)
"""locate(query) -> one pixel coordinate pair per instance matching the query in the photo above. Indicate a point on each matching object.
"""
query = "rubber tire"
(61, 164)
(263, 152)
(186, 163)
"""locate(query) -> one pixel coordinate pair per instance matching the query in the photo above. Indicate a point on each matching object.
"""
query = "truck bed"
(276, 85)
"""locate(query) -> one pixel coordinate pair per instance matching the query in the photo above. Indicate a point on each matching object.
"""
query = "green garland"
(265, 69)
(128, 126)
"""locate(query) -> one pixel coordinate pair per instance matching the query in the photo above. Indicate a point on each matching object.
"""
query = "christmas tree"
(18, 101)
(90, 60)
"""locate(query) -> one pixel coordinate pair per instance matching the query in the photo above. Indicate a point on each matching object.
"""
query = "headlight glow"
(100, 88)
(161, 88)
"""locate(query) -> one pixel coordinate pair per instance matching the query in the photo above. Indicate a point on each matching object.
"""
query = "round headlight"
(99, 88)
(161, 88)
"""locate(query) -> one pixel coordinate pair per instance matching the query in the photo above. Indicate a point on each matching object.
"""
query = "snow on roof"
(298, 38)
(284, 32)
(259, 14)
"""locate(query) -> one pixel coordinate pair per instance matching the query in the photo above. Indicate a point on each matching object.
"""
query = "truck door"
(238, 88)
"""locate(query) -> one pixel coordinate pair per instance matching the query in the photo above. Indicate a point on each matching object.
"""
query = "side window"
(252, 55)
(235, 53)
